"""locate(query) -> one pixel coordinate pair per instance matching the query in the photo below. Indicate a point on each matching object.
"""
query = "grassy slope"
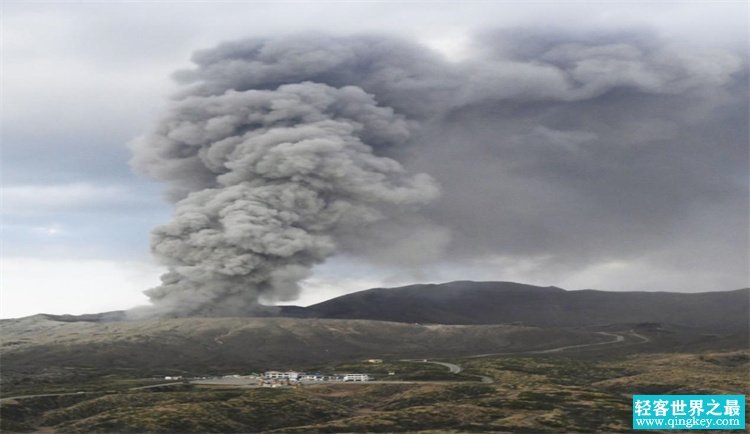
(40, 350)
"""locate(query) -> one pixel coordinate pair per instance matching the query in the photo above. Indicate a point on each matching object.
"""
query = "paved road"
(12, 398)
(152, 386)
(643, 339)
(617, 338)
(455, 369)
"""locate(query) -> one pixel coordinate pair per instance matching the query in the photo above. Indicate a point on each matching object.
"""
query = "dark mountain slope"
(466, 302)
(505, 302)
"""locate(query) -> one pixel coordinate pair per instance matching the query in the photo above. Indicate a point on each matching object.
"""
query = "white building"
(277, 375)
(295, 376)
(312, 377)
(356, 377)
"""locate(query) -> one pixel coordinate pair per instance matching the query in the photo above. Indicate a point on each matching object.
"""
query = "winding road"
(452, 367)
(455, 369)
(106, 392)
(617, 338)
(12, 398)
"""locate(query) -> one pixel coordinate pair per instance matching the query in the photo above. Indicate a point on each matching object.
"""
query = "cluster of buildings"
(280, 378)
(296, 377)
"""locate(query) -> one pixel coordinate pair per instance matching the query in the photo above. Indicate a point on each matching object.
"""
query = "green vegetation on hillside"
(528, 394)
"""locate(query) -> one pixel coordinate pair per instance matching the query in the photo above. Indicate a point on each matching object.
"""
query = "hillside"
(446, 320)
(466, 302)
(39, 347)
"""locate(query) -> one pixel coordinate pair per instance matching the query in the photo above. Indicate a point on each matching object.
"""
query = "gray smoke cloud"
(568, 149)
(269, 183)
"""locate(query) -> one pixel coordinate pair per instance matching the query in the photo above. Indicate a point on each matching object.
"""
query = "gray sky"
(82, 80)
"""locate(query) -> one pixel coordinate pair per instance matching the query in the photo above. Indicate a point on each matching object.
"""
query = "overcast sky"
(82, 80)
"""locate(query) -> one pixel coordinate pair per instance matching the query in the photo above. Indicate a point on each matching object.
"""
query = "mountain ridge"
(487, 302)
(469, 302)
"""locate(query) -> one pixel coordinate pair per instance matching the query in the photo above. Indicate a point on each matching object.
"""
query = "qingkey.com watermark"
(657, 412)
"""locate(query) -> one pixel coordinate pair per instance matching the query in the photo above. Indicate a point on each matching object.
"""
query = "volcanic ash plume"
(571, 152)
(268, 183)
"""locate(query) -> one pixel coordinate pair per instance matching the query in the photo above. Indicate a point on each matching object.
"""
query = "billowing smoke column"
(555, 153)
(271, 180)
